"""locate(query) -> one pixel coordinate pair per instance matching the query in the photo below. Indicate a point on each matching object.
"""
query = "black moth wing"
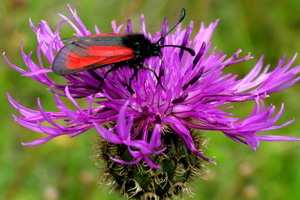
(93, 51)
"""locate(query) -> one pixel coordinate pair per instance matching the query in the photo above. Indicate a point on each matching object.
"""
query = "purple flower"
(196, 91)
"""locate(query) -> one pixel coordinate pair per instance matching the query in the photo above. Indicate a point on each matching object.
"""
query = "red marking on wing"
(74, 61)
(98, 55)
(109, 51)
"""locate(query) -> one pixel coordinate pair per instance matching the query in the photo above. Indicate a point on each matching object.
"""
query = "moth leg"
(135, 73)
(116, 66)
(157, 78)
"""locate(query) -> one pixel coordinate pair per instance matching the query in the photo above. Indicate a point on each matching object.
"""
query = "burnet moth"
(94, 51)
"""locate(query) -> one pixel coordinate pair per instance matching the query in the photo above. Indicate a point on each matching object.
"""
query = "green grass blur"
(63, 169)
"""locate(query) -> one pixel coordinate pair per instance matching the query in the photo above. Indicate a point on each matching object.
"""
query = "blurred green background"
(63, 169)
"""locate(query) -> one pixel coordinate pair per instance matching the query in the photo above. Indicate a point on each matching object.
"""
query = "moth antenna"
(182, 15)
(191, 51)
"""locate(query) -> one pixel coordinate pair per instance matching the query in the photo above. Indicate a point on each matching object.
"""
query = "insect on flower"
(94, 51)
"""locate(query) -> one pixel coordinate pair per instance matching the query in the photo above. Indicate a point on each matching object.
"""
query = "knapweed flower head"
(198, 95)
(195, 89)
